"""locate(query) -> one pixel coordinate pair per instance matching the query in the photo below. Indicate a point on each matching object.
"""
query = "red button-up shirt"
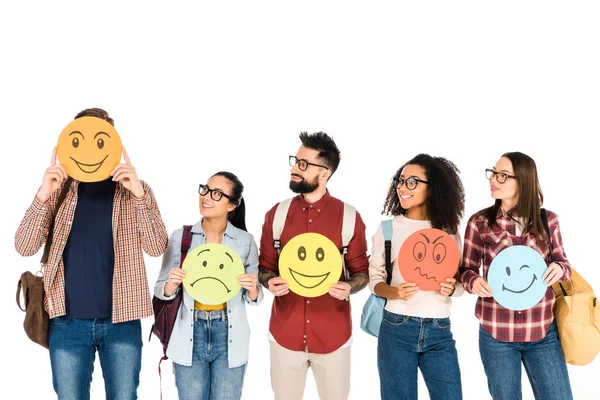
(136, 225)
(321, 324)
(482, 244)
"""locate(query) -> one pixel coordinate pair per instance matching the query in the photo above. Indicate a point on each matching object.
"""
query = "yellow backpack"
(577, 315)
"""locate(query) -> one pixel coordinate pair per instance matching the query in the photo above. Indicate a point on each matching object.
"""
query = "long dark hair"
(445, 193)
(530, 200)
(237, 217)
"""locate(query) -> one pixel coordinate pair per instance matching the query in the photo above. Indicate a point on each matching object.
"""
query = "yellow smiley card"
(310, 263)
(89, 148)
(211, 273)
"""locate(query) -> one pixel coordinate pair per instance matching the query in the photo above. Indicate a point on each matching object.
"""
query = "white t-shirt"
(425, 304)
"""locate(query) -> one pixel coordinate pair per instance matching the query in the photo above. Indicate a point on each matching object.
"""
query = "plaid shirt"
(136, 225)
(483, 243)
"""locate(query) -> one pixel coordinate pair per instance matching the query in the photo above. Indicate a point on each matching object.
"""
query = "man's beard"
(304, 186)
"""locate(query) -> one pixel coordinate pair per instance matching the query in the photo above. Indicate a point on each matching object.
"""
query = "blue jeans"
(209, 377)
(73, 345)
(544, 363)
(407, 344)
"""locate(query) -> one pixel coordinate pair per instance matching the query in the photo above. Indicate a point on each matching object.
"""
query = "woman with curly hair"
(426, 192)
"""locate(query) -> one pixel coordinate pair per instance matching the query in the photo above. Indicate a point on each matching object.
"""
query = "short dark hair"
(324, 144)
(445, 193)
(96, 112)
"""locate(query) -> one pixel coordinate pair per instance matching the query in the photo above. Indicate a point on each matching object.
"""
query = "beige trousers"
(289, 368)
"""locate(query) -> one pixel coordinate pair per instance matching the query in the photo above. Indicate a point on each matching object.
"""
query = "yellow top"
(208, 307)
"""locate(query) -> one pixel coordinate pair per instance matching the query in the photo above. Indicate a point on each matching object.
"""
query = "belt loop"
(224, 314)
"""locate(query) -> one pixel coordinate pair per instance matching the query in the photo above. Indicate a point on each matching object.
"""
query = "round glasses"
(501, 177)
(215, 194)
(411, 182)
(303, 164)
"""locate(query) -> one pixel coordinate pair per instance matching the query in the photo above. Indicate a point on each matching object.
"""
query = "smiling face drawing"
(310, 263)
(89, 148)
(515, 277)
(427, 257)
(211, 273)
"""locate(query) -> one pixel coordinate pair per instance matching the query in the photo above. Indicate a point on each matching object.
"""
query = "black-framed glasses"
(303, 164)
(411, 182)
(501, 177)
(215, 194)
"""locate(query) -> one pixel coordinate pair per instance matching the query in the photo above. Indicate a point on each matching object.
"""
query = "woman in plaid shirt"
(507, 337)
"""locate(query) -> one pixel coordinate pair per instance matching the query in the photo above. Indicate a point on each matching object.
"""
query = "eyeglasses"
(501, 177)
(411, 182)
(215, 194)
(303, 164)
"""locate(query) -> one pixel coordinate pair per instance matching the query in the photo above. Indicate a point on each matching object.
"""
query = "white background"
(197, 89)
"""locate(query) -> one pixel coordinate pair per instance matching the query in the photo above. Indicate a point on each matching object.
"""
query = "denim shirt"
(181, 344)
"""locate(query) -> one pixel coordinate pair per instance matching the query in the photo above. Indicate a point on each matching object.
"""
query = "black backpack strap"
(547, 228)
(388, 260)
(545, 222)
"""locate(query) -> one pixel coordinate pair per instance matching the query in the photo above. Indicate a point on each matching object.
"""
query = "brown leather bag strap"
(61, 198)
(19, 287)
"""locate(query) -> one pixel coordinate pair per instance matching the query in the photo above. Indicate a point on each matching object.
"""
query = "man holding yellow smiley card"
(95, 279)
(310, 321)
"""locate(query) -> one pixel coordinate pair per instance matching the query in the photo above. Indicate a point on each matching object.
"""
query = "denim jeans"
(544, 363)
(73, 345)
(209, 377)
(407, 344)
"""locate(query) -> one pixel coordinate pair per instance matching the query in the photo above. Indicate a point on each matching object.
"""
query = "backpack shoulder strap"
(186, 242)
(386, 227)
(545, 222)
(279, 221)
(547, 228)
(348, 223)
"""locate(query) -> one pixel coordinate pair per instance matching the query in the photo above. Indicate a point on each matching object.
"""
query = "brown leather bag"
(36, 318)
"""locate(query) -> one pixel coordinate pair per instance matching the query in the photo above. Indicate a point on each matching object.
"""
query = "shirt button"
(307, 301)
(305, 341)
(231, 326)
(319, 210)
(229, 311)
(304, 336)
(308, 321)
(230, 341)
(310, 220)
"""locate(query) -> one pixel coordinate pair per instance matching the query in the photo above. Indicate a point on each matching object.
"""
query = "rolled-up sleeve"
(377, 272)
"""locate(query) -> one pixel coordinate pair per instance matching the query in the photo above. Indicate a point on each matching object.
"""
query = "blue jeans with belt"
(544, 363)
(209, 377)
(407, 344)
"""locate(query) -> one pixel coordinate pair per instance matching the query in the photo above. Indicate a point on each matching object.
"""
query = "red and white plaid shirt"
(136, 225)
(483, 243)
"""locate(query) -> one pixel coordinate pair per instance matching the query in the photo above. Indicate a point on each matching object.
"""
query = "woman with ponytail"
(209, 343)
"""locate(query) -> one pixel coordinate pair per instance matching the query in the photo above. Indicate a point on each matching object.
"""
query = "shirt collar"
(229, 230)
(322, 202)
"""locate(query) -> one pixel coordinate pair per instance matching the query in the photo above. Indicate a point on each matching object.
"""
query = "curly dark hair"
(445, 193)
